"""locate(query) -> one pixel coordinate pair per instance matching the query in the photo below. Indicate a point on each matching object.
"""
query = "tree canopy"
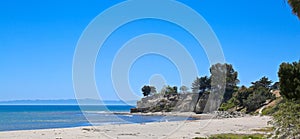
(295, 4)
(183, 89)
(263, 82)
(202, 84)
(171, 90)
(146, 90)
(224, 78)
(289, 80)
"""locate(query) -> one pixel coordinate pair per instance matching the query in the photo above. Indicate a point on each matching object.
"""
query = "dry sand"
(170, 130)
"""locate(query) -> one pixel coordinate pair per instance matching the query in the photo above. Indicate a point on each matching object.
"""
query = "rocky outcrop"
(158, 103)
(226, 114)
(201, 103)
(192, 102)
(150, 101)
(187, 102)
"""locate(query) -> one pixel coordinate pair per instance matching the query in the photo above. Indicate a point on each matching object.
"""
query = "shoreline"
(174, 129)
(172, 114)
(180, 114)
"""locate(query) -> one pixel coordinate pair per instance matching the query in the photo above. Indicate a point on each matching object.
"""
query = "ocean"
(28, 117)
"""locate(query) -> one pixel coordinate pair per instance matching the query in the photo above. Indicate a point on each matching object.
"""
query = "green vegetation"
(273, 109)
(152, 90)
(171, 90)
(148, 90)
(250, 98)
(289, 80)
(295, 4)
(234, 136)
(183, 89)
(237, 136)
(223, 75)
(287, 118)
(266, 129)
(228, 105)
(201, 85)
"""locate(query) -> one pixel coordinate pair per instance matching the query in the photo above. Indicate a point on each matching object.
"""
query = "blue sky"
(38, 40)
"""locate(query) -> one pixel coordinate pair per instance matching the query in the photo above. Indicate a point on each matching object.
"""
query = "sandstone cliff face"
(191, 102)
(187, 102)
(201, 103)
(150, 101)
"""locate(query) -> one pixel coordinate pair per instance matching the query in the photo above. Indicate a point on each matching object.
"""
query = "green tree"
(289, 80)
(175, 89)
(295, 4)
(257, 98)
(196, 85)
(146, 90)
(171, 90)
(251, 98)
(153, 90)
(287, 119)
(263, 82)
(275, 86)
(183, 89)
(257, 94)
(202, 84)
(224, 78)
(241, 96)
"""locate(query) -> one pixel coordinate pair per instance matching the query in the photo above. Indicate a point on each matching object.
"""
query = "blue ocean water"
(27, 117)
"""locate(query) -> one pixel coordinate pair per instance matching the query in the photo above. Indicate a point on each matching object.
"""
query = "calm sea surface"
(26, 117)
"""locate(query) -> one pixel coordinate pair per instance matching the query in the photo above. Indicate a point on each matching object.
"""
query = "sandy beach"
(170, 130)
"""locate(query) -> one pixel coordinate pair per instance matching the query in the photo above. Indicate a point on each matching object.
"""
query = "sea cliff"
(189, 102)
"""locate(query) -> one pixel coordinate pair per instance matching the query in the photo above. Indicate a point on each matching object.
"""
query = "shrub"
(289, 80)
(287, 120)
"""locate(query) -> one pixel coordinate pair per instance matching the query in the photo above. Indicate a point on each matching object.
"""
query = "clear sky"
(38, 40)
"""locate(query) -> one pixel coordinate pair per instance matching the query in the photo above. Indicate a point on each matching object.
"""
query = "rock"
(226, 114)
(192, 102)
(201, 103)
(187, 102)
(150, 101)
(167, 103)
(135, 110)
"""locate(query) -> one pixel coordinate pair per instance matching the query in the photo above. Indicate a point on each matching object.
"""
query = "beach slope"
(170, 130)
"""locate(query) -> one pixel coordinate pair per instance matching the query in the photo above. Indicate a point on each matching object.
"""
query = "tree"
(241, 96)
(295, 4)
(251, 98)
(204, 84)
(200, 85)
(153, 90)
(163, 89)
(275, 86)
(175, 89)
(183, 89)
(171, 90)
(146, 90)
(256, 95)
(287, 119)
(257, 98)
(196, 85)
(224, 78)
(289, 80)
(263, 82)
